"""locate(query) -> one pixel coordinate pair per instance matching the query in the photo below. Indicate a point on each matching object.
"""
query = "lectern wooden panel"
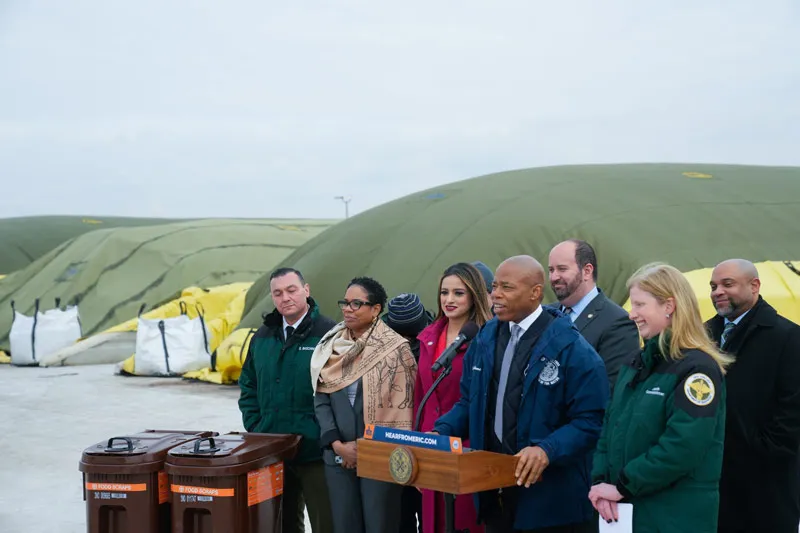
(443, 471)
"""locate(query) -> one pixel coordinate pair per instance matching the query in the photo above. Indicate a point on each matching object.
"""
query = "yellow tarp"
(229, 359)
(780, 287)
(5, 359)
(221, 307)
(214, 301)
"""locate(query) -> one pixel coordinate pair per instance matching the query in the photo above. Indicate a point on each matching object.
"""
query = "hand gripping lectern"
(434, 462)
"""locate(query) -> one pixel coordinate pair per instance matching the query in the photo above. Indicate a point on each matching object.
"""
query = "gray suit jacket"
(359, 504)
(607, 327)
(338, 420)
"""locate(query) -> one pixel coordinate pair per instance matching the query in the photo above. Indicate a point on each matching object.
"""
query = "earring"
(668, 315)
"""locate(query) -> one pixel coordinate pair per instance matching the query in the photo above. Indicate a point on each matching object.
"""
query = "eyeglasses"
(355, 305)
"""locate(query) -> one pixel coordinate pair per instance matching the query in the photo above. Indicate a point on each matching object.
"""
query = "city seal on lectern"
(403, 465)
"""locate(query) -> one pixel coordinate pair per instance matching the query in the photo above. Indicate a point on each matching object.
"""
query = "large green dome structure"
(112, 272)
(23, 240)
(689, 215)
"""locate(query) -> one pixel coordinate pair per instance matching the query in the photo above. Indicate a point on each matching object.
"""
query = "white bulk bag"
(21, 339)
(171, 346)
(32, 338)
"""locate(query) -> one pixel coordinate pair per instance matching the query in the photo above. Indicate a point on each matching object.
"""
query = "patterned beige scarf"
(382, 358)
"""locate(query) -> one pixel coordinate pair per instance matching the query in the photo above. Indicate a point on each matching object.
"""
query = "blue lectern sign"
(413, 438)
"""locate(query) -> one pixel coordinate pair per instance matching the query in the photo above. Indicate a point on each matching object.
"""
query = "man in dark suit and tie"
(759, 488)
(606, 325)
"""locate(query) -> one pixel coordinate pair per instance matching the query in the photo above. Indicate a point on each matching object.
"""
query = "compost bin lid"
(147, 446)
(233, 449)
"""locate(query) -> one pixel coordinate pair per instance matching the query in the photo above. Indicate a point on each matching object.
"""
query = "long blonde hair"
(687, 331)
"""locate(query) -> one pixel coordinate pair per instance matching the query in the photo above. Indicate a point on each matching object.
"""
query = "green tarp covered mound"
(112, 272)
(23, 240)
(689, 215)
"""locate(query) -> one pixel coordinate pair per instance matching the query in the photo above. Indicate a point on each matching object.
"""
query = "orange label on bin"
(202, 491)
(117, 487)
(163, 487)
(264, 484)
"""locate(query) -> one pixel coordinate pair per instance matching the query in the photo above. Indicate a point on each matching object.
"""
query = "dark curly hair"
(375, 291)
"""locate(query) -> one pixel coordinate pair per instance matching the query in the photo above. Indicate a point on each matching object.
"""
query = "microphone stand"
(449, 499)
(445, 372)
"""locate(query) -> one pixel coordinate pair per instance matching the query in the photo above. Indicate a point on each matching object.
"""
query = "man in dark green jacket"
(276, 395)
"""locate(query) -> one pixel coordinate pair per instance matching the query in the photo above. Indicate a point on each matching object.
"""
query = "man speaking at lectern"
(534, 388)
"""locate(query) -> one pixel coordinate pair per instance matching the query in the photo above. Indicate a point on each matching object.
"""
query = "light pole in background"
(346, 202)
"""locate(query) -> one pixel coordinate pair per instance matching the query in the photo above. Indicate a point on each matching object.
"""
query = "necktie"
(567, 311)
(725, 333)
(508, 355)
(289, 331)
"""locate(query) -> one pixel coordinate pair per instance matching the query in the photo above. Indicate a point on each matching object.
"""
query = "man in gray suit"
(603, 323)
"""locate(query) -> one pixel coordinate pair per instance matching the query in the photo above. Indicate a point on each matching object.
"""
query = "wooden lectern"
(465, 473)
(450, 472)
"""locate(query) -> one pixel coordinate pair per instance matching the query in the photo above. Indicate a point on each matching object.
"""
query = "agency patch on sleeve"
(699, 389)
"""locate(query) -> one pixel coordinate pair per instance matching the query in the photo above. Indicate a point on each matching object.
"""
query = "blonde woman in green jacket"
(662, 440)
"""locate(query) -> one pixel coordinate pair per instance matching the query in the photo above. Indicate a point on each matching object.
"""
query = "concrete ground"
(50, 415)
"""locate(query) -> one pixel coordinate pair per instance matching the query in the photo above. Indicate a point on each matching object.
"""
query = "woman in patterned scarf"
(362, 373)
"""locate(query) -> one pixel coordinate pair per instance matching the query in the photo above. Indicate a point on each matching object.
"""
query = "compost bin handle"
(211, 449)
(110, 446)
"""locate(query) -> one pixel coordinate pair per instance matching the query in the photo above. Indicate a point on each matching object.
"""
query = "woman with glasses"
(363, 373)
(462, 298)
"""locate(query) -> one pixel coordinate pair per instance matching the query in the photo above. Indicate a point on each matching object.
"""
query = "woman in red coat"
(462, 297)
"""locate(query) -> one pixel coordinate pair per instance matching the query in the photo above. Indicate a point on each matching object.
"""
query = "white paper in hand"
(625, 524)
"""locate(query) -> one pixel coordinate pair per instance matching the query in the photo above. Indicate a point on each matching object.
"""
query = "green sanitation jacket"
(662, 441)
(275, 383)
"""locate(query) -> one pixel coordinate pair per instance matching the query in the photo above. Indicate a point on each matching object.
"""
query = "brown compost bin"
(125, 487)
(231, 483)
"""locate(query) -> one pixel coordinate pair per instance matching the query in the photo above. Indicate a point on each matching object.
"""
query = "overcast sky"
(270, 109)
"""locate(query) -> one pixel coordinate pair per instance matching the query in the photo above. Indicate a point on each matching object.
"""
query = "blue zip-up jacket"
(562, 416)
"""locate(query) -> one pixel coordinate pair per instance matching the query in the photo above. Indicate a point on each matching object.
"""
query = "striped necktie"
(725, 333)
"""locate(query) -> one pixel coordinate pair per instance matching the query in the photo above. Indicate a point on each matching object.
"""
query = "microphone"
(467, 333)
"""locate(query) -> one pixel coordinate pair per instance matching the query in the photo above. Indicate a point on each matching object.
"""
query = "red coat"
(441, 401)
